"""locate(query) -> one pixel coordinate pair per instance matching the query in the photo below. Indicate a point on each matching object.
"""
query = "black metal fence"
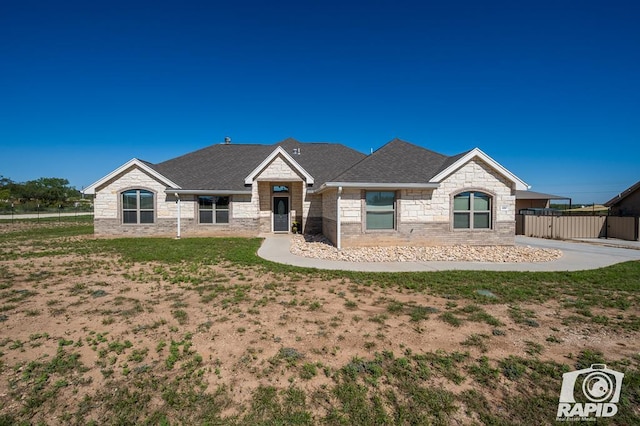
(13, 211)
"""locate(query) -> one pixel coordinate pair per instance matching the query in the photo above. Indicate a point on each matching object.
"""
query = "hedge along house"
(400, 194)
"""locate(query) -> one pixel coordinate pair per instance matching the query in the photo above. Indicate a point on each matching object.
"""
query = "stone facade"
(107, 200)
(427, 234)
(312, 213)
(475, 175)
(108, 211)
(329, 206)
(423, 216)
(108, 207)
(279, 170)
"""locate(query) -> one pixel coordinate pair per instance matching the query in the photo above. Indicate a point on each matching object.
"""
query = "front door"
(280, 214)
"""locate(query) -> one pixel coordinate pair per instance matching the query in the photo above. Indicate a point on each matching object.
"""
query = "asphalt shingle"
(398, 162)
(225, 166)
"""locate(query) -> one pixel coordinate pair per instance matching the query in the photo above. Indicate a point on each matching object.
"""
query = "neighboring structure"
(535, 200)
(400, 194)
(626, 203)
(592, 210)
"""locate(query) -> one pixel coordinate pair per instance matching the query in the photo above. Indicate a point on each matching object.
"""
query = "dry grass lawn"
(92, 335)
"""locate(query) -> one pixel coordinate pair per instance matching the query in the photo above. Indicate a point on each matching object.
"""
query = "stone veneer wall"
(475, 175)
(243, 220)
(424, 216)
(312, 214)
(107, 206)
(428, 234)
(261, 191)
(305, 208)
(297, 206)
(107, 200)
(279, 171)
(169, 228)
(329, 199)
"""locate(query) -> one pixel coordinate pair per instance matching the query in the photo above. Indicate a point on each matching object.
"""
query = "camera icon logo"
(597, 391)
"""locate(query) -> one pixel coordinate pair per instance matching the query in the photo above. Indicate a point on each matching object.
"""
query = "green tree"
(47, 190)
(6, 187)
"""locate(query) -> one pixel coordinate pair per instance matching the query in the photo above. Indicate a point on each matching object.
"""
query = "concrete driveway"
(576, 256)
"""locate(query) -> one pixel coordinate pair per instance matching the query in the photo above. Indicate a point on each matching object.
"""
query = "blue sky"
(550, 89)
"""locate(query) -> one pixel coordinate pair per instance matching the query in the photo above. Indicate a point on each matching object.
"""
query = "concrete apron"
(576, 256)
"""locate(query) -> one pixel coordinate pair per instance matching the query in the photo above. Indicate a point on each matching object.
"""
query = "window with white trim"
(213, 209)
(472, 210)
(137, 206)
(380, 209)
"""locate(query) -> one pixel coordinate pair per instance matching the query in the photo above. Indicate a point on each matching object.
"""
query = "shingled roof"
(398, 162)
(231, 167)
(225, 166)
(624, 194)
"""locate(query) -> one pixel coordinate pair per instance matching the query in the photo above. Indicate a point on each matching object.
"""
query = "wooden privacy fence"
(567, 227)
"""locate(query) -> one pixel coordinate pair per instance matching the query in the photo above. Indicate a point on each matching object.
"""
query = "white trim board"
(134, 162)
(278, 151)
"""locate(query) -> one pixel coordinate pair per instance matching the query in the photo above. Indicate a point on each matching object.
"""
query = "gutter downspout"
(178, 202)
(338, 218)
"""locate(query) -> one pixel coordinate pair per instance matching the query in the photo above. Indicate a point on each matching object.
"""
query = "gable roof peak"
(394, 141)
(288, 141)
(279, 151)
(457, 161)
(397, 143)
(397, 139)
(397, 161)
(145, 166)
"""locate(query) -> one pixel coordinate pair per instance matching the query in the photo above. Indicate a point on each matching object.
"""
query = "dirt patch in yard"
(243, 328)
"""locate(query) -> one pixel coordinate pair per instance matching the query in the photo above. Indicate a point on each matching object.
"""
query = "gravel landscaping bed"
(318, 247)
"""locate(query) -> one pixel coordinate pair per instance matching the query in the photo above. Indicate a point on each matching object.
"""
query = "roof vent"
(296, 151)
(227, 140)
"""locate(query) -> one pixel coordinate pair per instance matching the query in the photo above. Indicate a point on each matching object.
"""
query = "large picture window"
(472, 210)
(213, 209)
(380, 209)
(137, 206)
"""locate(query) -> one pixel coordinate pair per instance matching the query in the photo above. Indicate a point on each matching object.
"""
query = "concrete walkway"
(576, 256)
(611, 242)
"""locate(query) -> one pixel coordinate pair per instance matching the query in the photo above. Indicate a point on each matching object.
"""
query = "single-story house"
(400, 194)
(627, 203)
(536, 200)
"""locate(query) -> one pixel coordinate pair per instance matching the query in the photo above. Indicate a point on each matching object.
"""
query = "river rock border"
(318, 247)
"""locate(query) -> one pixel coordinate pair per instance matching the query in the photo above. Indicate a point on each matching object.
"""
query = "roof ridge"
(624, 194)
(213, 146)
(442, 158)
(308, 143)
